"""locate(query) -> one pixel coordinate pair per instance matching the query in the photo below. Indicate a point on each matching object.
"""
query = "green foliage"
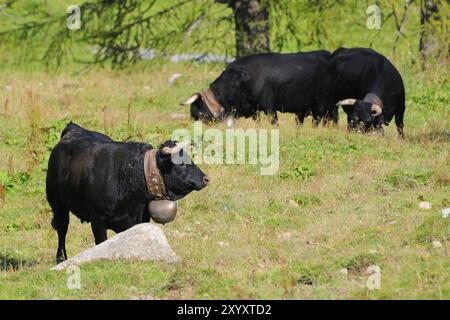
(405, 179)
(306, 200)
(359, 263)
(301, 172)
(53, 133)
(310, 275)
(119, 30)
(433, 228)
(14, 183)
(239, 238)
(13, 261)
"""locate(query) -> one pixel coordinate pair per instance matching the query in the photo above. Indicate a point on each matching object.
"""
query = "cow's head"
(180, 174)
(205, 106)
(360, 111)
(199, 109)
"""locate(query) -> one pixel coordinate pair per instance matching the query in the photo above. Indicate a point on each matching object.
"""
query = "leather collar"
(374, 99)
(214, 106)
(153, 177)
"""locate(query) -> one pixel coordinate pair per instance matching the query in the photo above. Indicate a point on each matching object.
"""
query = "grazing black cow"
(103, 182)
(268, 82)
(368, 87)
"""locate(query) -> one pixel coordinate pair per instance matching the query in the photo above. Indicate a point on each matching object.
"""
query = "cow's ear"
(192, 99)
(163, 160)
(164, 153)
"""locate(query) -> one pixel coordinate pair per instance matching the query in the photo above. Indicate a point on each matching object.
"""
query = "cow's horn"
(346, 102)
(177, 148)
(376, 110)
(180, 146)
(192, 99)
(166, 150)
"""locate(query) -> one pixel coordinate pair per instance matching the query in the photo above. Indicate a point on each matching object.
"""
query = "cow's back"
(358, 71)
(278, 66)
(288, 81)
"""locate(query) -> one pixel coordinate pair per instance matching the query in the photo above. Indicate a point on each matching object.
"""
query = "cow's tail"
(60, 212)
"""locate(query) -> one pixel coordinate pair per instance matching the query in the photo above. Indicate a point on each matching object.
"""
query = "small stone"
(222, 244)
(178, 234)
(292, 203)
(143, 242)
(425, 205)
(436, 244)
(445, 212)
(7, 88)
(173, 78)
(146, 88)
(285, 236)
(229, 122)
(343, 271)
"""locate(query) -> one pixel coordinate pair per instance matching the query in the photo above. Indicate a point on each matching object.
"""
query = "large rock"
(142, 242)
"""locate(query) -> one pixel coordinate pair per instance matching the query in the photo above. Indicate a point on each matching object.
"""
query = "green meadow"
(340, 200)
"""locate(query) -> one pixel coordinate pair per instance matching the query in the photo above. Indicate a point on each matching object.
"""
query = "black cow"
(368, 87)
(268, 82)
(102, 182)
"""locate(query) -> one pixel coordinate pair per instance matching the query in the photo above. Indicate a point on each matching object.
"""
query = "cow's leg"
(122, 225)
(321, 112)
(99, 230)
(60, 222)
(351, 126)
(378, 125)
(399, 124)
(255, 116)
(318, 113)
(300, 118)
(332, 116)
(273, 116)
(316, 119)
(267, 103)
(326, 120)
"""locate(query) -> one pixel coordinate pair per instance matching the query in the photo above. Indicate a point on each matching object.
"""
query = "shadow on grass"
(12, 262)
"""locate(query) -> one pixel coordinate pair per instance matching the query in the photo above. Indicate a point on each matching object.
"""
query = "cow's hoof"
(59, 260)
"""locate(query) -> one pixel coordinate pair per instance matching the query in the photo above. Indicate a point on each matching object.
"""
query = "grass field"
(341, 200)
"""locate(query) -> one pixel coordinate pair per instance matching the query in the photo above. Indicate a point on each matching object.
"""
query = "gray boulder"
(142, 242)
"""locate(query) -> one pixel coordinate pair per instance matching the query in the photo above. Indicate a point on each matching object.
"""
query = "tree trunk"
(251, 19)
(430, 21)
